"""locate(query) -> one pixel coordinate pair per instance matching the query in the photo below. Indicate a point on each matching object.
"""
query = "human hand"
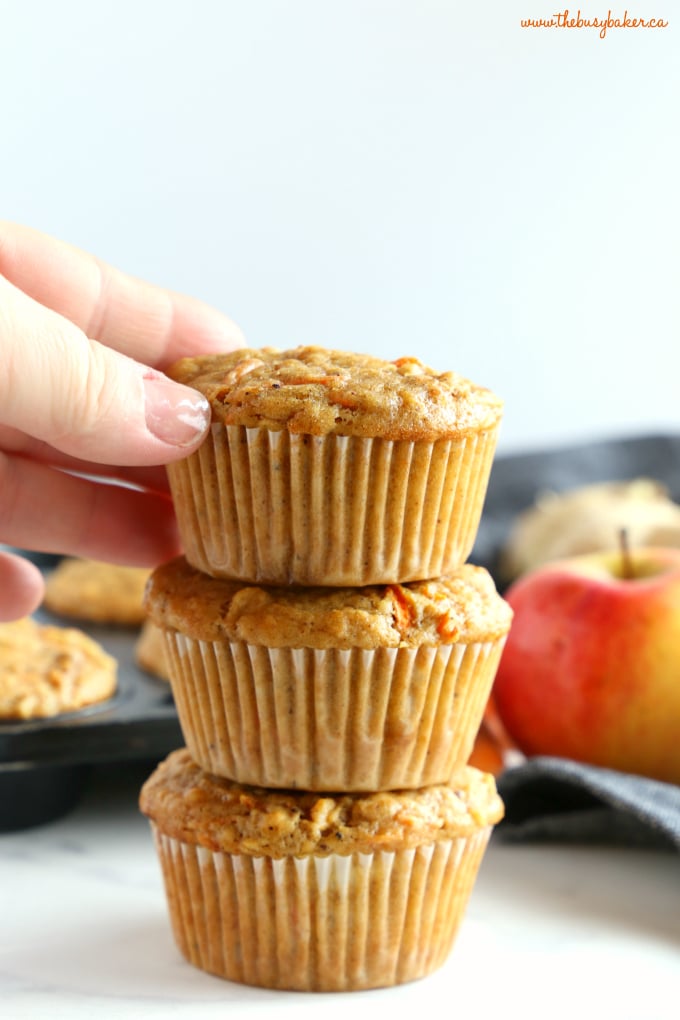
(82, 348)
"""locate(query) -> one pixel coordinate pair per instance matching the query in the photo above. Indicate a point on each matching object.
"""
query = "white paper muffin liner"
(270, 507)
(330, 719)
(335, 923)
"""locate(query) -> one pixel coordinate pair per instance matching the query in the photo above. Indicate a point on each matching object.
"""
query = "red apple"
(487, 753)
(591, 667)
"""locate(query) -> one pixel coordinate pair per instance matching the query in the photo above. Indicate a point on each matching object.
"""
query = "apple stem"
(627, 571)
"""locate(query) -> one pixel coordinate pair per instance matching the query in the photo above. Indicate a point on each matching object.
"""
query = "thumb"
(84, 398)
(21, 586)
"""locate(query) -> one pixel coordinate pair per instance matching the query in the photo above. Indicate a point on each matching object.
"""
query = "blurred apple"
(591, 667)
(487, 753)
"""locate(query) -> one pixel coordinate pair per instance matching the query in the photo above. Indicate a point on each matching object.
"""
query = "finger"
(154, 478)
(147, 323)
(46, 509)
(86, 399)
(21, 587)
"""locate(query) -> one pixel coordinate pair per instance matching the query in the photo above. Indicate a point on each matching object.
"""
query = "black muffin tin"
(44, 763)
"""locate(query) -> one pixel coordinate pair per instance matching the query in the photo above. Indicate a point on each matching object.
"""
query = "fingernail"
(176, 414)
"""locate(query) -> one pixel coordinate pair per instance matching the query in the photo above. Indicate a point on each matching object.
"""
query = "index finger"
(150, 324)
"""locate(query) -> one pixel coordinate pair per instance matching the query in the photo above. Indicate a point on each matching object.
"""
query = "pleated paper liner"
(331, 719)
(332, 923)
(279, 508)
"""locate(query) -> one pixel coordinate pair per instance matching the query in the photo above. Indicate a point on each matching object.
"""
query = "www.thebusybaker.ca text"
(565, 19)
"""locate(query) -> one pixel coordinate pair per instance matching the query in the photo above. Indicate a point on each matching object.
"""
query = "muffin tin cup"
(332, 923)
(278, 508)
(330, 719)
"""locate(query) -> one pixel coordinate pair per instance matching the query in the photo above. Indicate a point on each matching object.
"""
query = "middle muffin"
(353, 689)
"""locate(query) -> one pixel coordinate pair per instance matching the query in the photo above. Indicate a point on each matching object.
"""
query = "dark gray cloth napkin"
(554, 799)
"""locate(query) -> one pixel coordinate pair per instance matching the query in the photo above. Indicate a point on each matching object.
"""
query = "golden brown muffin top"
(317, 391)
(462, 608)
(46, 670)
(101, 592)
(194, 807)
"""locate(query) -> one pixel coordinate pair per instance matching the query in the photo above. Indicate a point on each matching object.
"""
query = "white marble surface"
(550, 932)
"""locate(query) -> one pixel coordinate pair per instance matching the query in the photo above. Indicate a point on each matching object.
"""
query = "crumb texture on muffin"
(47, 670)
(464, 607)
(316, 391)
(190, 805)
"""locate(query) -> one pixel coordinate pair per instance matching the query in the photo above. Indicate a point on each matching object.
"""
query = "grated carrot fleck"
(404, 615)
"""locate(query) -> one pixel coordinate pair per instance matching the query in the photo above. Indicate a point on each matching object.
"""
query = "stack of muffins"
(331, 653)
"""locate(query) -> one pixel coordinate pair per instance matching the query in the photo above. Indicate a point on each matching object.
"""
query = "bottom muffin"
(312, 892)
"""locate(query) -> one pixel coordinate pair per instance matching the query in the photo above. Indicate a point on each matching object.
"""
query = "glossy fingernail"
(176, 414)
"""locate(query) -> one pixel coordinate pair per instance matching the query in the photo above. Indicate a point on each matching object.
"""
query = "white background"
(422, 177)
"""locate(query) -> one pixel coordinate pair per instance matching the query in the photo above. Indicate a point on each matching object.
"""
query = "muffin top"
(462, 608)
(194, 807)
(318, 392)
(100, 592)
(46, 670)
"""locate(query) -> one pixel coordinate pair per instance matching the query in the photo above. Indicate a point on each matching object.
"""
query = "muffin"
(97, 592)
(46, 671)
(382, 687)
(316, 893)
(330, 468)
(149, 651)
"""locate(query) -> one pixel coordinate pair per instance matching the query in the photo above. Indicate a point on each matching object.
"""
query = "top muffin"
(331, 468)
(316, 391)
